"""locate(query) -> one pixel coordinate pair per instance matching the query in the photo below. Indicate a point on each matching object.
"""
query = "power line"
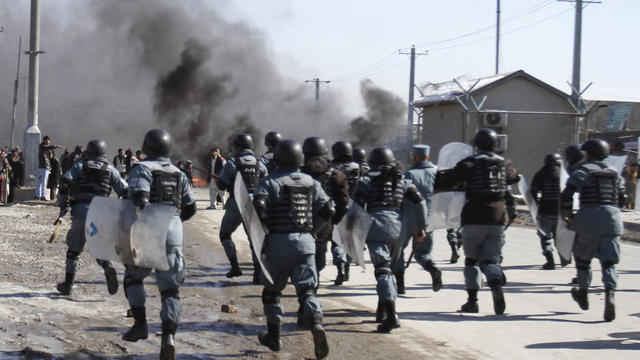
(383, 61)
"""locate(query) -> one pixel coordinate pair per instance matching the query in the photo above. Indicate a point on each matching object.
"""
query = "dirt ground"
(38, 323)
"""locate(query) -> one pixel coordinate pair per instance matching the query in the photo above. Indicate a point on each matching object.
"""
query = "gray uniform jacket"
(228, 174)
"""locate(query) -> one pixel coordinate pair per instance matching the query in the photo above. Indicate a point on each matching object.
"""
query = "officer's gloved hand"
(419, 236)
(141, 199)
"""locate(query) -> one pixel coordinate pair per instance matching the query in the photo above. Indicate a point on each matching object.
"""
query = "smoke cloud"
(127, 66)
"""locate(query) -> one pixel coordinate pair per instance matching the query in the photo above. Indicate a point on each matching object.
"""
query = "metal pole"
(317, 80)
(411, 86)
(32, 134)
(497, 36)
(577, 40)
(15, 95)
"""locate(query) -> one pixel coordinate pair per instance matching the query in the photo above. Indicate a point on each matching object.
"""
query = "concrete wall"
(530, 137)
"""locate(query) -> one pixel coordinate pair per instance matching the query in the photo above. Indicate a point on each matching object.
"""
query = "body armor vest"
(94, 180)
(489, 178)
(166, 184)
(352, 170)
(385, 192)
(292, 210)
(601, 187)
(551, 183)
(249, 169)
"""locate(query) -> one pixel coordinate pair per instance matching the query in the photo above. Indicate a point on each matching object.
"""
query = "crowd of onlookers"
(11, 172)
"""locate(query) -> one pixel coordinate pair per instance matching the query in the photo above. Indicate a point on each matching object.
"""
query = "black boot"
(256, 274)
(65, 287)
(346, 271)
(580, 296)
(391, 321)
(320, 345)
(498, 297)
(340, 278)
(609, 305)
(436, 276)
(400, 282)
(139, 330)
(235, 269)
(271, 339)
(471, 306)
(550, 264)
(112, 279)
(168, 343)
(381, 312)
(454, 254)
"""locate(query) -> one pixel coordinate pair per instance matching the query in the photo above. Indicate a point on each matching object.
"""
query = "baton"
(413, 250)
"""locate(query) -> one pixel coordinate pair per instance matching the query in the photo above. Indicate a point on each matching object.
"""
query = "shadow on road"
(621, 341)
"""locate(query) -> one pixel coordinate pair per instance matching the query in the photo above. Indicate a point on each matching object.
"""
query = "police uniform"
(422, 175)
(244, 163)
(546, 183)
(382, 193)
(86, 179)
(340, 257)
(267, 160)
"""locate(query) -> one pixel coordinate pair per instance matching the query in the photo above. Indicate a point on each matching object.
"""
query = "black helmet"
(596, 149)
(359, 154)
(96, 148)
(573, 154)
(552, 158)
(157, 142)
(243, 141)
(272, 139)
(342, 151)
(381, 156)
(486, 139)
(314, 146)
(288, 155)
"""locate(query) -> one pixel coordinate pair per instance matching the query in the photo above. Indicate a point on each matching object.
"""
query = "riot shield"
(351, 232)
(565, 237)
(446, 206)
(119, 231)
(523, 187)
(616, 162)
(252, 223)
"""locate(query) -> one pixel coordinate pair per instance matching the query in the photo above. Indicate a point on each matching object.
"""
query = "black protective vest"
(249, 169)
(352, 170)
(551, 183)
(385, 192)
(488, 181)
(601, 185)
(292, 210)
(94, 180)
(166, 184)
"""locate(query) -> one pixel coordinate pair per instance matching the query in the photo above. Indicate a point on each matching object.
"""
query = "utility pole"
(497, 36)
(15, 95)
(317, 82)
(32, 134)
(411, 88)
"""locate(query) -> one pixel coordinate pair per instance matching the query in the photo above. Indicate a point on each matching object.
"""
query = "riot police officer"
(546, 183)
(244, 163)
(292, 205)
(91, 177)
(342, 152)
(336, 184)
(423, 175)
(271, 140)
(483, 217)
(598, 223)
(360, 157)
(382, 193)
(574, 156)
(155, 180)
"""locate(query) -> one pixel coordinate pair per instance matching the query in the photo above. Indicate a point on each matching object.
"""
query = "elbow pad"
(413, 194)
(260, 203)
(141, 199)
(327, 211)
(188, 211)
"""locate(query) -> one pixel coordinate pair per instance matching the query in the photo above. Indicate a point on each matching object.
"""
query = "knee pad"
(470, 262)
(129, 281)
(73, 255)
(383, 269)
(269, 297)
(583, 264)
(305, 294)
(485, 263)
(174, 293)
(608, 264)
(225, 236)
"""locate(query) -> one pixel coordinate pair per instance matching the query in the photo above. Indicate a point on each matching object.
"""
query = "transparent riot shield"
(523, 187)
(446, 206)
(565, 237)
(119, 231)
(351, 232)
(616, 162)
(252, 223)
